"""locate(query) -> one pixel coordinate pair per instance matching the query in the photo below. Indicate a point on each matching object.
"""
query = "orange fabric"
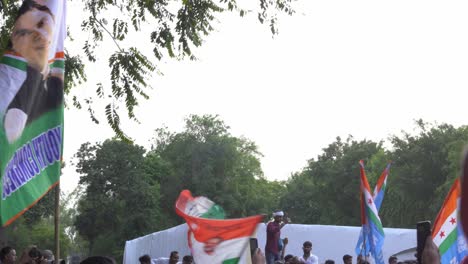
(450, 205)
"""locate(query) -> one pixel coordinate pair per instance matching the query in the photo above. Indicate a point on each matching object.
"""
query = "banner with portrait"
(31, 106)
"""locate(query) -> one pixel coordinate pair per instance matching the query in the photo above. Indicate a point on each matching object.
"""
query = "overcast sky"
(366, 68)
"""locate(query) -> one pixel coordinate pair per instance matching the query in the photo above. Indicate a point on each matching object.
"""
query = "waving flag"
(214, 241)
(380, 187)
(447, 233)
(363, 246)
(372, 229)
(31, 106)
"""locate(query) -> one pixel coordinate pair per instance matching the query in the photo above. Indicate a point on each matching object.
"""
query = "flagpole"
(3, 238)
(364, 243)
(57, 222)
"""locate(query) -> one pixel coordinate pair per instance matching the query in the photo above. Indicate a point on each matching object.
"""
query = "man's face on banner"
(211, 244)
(32, 35)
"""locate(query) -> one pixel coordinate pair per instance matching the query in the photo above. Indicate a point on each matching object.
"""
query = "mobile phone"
(253, 246)
(423, 230)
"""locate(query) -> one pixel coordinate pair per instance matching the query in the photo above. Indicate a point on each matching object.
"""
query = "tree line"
(126, 191)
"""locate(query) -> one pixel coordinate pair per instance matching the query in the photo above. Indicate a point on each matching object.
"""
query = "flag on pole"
(31, 106)
(372, 229)
(381, 186)
(447, 233)
(213, 240)
(363, 246)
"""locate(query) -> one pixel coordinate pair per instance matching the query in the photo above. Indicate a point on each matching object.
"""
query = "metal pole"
(57, 222)
(3, 238)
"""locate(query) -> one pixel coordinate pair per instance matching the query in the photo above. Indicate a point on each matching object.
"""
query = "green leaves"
(116, 182)
(128, 79)
(424, 167)
(120, 29)
(74, 72)
(206, 159)
(177, 28)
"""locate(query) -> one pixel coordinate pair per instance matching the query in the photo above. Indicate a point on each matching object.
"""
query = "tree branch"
(109, 33)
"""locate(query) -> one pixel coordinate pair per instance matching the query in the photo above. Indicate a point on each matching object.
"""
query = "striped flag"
(379, 192)
(214, 241)
(372, 229)
(447, 233)
(380, 187)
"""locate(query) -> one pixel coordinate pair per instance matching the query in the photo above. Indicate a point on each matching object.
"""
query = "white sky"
(338, 67)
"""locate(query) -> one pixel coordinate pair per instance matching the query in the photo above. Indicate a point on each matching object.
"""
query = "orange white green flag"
(214, 241)
(447, 233)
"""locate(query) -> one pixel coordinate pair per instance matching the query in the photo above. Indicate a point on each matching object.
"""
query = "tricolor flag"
(214, 241)
(372, 229)
(31, 106)
(446, 233)
(379, 192)
(381, 186)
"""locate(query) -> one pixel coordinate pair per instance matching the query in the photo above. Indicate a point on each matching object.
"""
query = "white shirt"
(312, 259)
(11, 80)
(162, 261)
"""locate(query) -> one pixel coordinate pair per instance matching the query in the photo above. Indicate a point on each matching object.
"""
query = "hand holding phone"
(423, 231)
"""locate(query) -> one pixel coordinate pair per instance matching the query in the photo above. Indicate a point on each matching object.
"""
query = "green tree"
(326, 191)
(206, 159)
(425, 166)
(22, 234)
(119, 202)
(175, 29)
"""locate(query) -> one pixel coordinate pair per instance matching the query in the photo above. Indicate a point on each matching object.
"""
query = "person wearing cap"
(273, 236)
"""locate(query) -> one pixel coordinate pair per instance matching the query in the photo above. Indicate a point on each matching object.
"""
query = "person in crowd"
(288, 258)
(48, 256)
(392, 260)
(258, 257)
(98, 260)
(145, 259)
(187, 260)
(347, 259)
(329, 261)
(308, 257)
(283, 250)
(7, 255)
(272, 251)
(173, 259)
(296, 260)
(359, 259)
(431, 254)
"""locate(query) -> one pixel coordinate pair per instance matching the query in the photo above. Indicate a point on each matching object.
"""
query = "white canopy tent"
(329, 242)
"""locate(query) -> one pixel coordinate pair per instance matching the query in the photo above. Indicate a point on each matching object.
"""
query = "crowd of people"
(275, 253)
(31, 255)
(173, 259)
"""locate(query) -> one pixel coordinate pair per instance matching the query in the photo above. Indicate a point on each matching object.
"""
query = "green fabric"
(231, 261)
